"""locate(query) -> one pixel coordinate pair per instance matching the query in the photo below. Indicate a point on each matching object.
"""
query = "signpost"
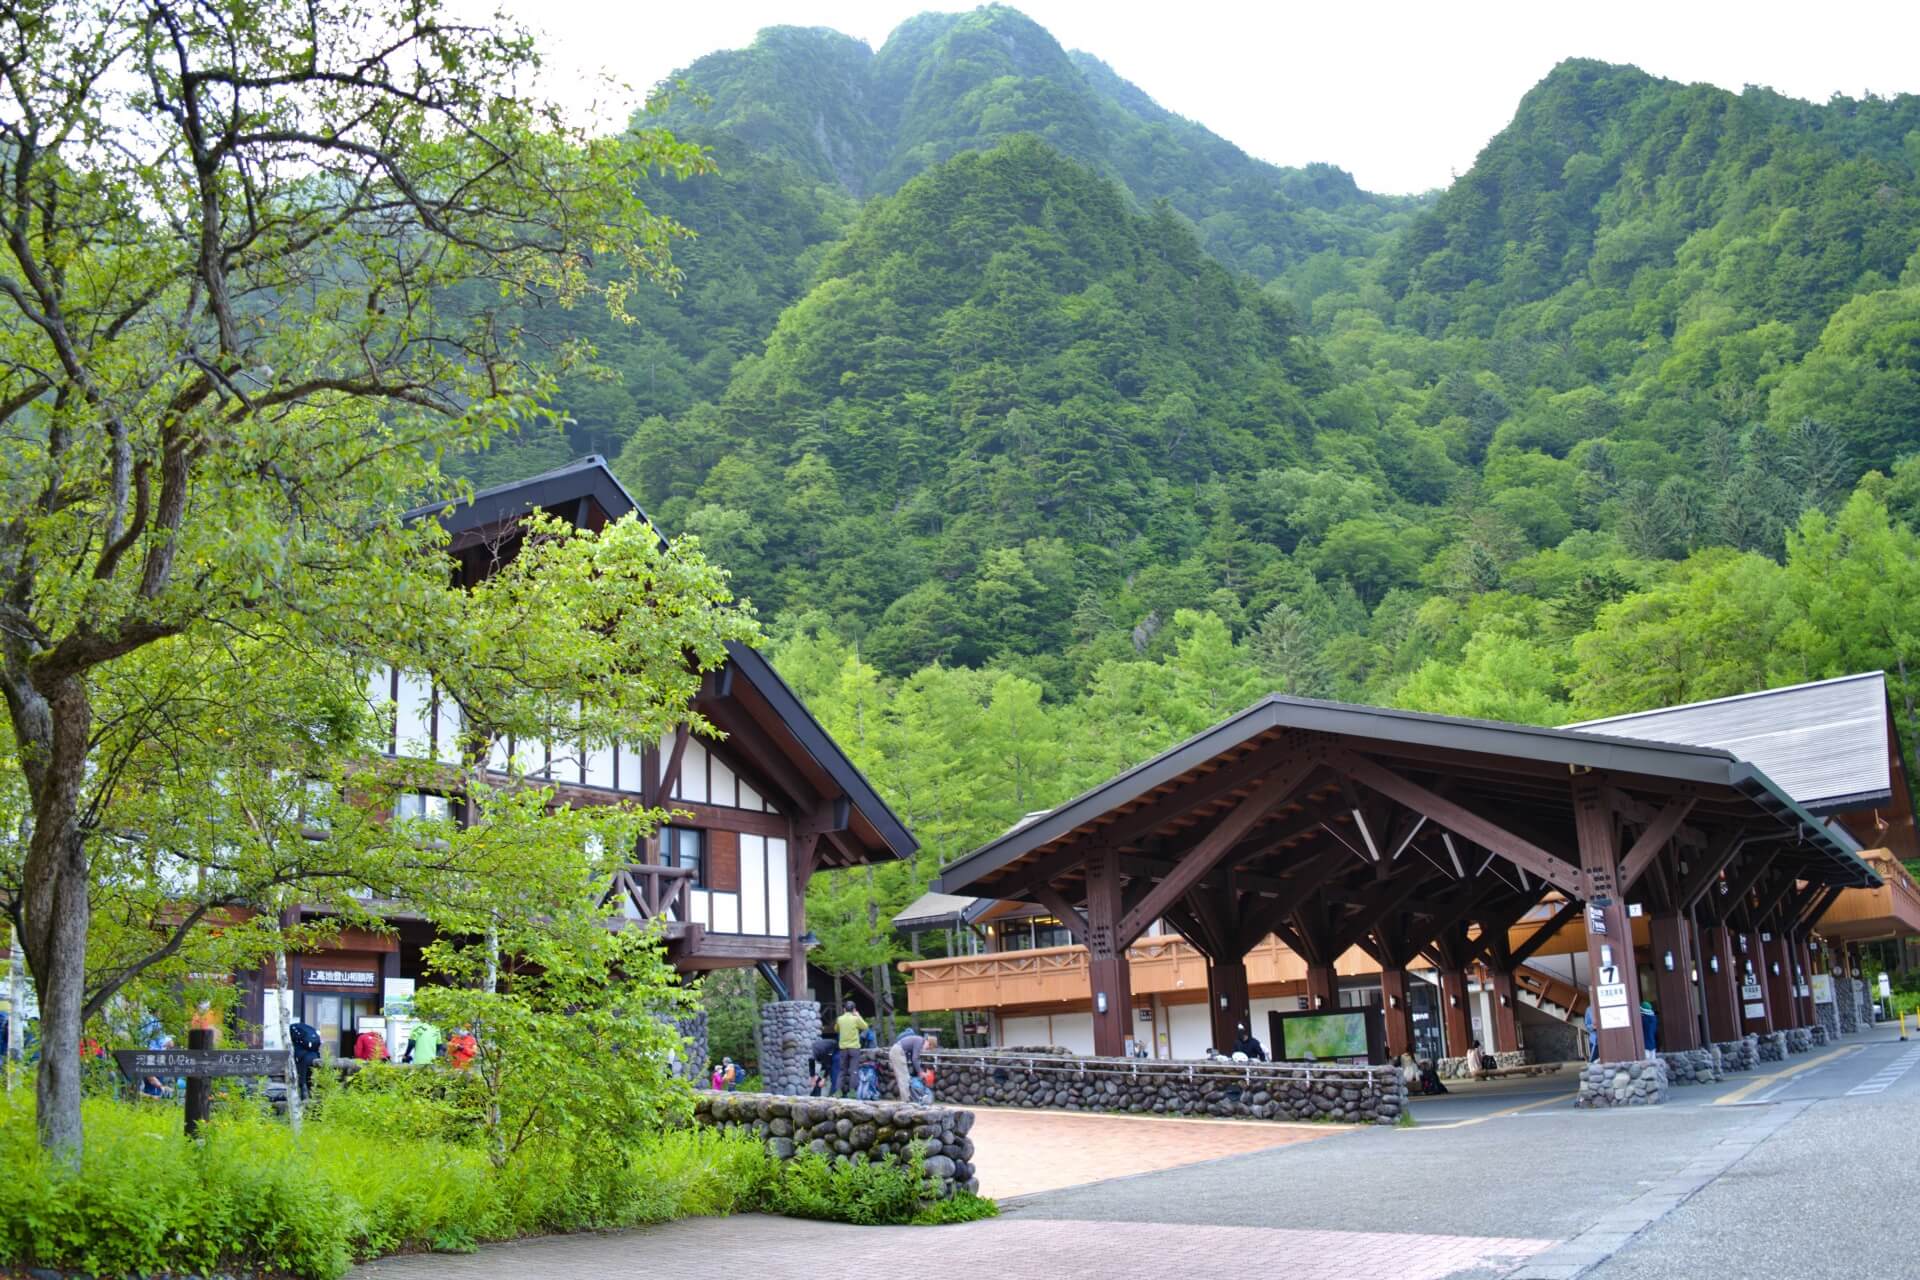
(199, 1062)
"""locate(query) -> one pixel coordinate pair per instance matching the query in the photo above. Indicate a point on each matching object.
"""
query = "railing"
(1547, 988)
(663, 893)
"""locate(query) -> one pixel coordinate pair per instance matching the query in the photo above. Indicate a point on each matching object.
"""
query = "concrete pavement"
(1799, 1170)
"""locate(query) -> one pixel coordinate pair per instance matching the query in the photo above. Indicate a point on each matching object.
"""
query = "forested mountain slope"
(946, 83)
(983, 359)
(1045, 427)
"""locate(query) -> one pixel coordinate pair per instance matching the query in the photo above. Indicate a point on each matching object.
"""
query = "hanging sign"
(1751, 991)
(1610, 994)
(1756, 1011)
(1596, 919)
(1614, 1016)
(1823, 988)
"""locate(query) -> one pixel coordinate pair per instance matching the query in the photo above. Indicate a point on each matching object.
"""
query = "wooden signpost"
(198, 1062)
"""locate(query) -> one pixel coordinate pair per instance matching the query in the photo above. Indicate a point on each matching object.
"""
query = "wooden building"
(756, 815)
(1311, 854)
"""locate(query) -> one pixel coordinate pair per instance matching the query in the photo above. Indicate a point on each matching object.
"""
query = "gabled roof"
(934, 910)
(590, 478)
(1825, 743)
(1387, 727)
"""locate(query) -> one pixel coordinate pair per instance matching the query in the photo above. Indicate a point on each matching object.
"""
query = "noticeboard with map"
(1323, 1037)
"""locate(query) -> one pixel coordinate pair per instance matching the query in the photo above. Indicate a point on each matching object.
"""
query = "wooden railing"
(661, 893)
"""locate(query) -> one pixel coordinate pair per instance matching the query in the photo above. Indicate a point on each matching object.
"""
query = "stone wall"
(1692, 1066)
(1819, 1035)
(1640, 1083)
(1738, 1055)
(1846, 1007)
(1799, 1039)
(1456, 1068)
(693, 1063)
(785, 1040)
(1864, 1002)
(1556, 1041)
(1259, 1090)
(842, 1129)
(1772, 1046)
(1829, 1016)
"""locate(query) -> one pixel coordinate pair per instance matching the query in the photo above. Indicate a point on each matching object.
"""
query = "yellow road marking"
(1495, 1115)
(1754, 1086)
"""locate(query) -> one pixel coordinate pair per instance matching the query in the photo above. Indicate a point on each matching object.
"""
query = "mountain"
(943, 84)
(985, 359)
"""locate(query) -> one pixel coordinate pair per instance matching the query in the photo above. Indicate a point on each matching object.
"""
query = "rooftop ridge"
(1731, 697)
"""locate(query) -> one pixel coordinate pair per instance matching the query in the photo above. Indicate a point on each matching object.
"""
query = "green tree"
(224, 374)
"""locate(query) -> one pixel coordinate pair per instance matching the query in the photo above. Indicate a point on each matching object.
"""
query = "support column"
(1756, 993)
(1229, 1004)
(1609, 931)
(1780, 989)
(1672, 950)
(1506, 1017)
(1323, 987)
(1802, 952)
(1454, 1014)
(1721, 980)
(802, 856)
(1112, 987)
(1396, 1010)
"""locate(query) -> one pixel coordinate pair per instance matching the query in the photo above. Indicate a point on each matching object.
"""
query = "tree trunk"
(55, 725)
(16, 999)
(283, 1009)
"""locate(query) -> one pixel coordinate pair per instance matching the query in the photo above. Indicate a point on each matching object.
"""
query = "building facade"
(754, 816)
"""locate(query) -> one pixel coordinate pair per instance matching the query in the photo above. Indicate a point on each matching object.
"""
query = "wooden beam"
(748, 741)
(670, 775)
(1458, 819)
(1555, 923)
(1272, 791)
(1267, 917)
(1653, 838)
(1741, 884)
(1187, 797)
(1493, 928)
(1069, 915)
(1702, 877)
(1390, 897)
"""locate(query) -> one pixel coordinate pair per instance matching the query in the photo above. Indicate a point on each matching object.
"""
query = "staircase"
(1549, 993)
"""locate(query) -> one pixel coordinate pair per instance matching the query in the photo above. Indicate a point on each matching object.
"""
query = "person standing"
(846, 1061)
(905, 1057)
(1247, 1044)
(824, 1060)
(306, 1052)
(423, 1043)
(1649, 1026)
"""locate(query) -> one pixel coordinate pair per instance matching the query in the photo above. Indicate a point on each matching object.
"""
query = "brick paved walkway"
(1012, 1249)
(1021, 1152)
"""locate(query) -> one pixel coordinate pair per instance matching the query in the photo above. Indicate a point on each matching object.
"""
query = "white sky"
(1403, 95)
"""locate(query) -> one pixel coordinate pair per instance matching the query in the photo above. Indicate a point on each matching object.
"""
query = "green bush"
(382, 1165)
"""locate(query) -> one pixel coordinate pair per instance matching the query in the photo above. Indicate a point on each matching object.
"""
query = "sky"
(1402, 95)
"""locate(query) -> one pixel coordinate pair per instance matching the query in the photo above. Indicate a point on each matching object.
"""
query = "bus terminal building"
(1453, 880)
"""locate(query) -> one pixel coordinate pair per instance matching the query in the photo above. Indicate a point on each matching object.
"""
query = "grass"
(372, 1174)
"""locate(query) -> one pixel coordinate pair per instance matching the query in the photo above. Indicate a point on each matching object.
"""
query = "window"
(421, 804)
(685, 847)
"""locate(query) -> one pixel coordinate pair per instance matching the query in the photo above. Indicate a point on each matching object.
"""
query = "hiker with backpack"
(905, 1057)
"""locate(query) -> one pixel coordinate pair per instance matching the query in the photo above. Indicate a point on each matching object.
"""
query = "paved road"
(1802, 1169)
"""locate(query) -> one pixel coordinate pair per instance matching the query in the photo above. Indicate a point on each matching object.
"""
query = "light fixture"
(1454, 1001)
(1693, 975)
(1393, 1002)
(1100, 1002)
(1775, 966)
(1319, 1002)
(1504, 1002)
(1713, 963)
(1667, 959)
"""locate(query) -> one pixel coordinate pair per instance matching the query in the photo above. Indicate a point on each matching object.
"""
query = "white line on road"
(1883, 1079)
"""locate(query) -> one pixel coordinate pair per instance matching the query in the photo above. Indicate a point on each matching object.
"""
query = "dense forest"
(1044, 427)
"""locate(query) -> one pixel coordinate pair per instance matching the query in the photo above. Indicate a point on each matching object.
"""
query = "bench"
(1529, 1069)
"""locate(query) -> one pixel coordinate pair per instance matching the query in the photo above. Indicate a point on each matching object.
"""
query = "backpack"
(918, 1090)
(868, 1090)
(305, 1038)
